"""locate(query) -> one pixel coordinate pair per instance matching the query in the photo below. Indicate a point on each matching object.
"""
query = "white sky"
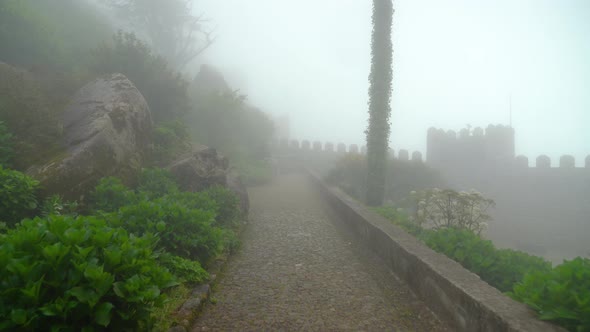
(455, 63)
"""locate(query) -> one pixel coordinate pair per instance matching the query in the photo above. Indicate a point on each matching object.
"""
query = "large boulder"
(107, 132)
(204, 167)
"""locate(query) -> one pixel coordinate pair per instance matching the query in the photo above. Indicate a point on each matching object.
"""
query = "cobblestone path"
(297, 271)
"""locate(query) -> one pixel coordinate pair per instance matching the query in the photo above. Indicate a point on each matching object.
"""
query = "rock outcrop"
(107, 132)
(209, 80)
(204, 167)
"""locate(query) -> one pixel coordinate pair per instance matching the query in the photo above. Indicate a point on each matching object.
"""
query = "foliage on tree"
(48, 33)
(224, 120)
(436, 208)
(164, 88)
(379, 100)
(29, 115)
(172, 29)
(17, 196)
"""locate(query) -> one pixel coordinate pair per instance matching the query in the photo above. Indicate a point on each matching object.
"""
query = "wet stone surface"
(298, 271)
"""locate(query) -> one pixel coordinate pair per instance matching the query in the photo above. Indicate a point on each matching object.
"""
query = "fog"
(456, 63)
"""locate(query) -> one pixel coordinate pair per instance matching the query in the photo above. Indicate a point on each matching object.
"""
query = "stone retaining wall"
(453, 293)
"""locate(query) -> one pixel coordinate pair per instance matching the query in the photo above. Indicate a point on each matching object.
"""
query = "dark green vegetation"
(17, 196)
(6, 150)
(110, 267)
(379, 101)
(78, 273)
(560, 294)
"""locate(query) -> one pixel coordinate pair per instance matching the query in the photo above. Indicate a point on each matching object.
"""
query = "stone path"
(298, 271)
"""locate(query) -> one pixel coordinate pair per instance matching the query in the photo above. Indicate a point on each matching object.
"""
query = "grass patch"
(164, 315)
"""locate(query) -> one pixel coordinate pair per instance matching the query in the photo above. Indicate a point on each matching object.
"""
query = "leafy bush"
(254, 172)
(55, 205)
(184, 269)
(74, 274)
(170, 140)
(6, 150)
(164, 89)
(400, 218)
(501, 268)
(227, 212)
(561, 295)
(17, 196)
(511, 267)
(156, 182)
(183, 231)
(110, 194)
(436, 208)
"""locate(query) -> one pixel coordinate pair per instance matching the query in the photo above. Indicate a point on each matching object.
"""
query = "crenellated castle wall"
(477, 149)
(286, 146)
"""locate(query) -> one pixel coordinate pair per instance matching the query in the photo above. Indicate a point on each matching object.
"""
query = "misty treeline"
(63, 45)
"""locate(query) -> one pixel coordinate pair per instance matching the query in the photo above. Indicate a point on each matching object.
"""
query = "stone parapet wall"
(453, 293)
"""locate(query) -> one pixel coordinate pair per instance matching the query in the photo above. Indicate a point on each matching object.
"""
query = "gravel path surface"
(298, 271)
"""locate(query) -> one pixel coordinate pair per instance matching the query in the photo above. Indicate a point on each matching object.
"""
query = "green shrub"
(110, 194)
(184, 269)
(254, 172)
(511, 267)
(183, 231)
(6, 150)
(228, 211)
(501, 268)
(17, 196)
(171, 139)
(466, 248)
(74, 274)
(561, 295)
(156, 182)
(55, 205)
(400, 218)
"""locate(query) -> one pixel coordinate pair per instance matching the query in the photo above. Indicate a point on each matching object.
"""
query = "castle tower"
(499, 145)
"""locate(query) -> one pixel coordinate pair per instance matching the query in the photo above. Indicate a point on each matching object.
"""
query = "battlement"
(476, 149)
(495, 145)
(544, 162)
(294, 145)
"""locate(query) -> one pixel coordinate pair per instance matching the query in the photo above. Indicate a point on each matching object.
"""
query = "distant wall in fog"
(286, 146)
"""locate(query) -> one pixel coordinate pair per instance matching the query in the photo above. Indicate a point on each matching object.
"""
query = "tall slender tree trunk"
(379, 100)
